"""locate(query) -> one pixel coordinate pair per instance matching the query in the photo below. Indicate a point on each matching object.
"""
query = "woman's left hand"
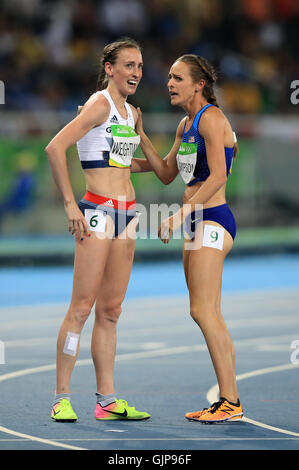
(169, 226)
(165, 230)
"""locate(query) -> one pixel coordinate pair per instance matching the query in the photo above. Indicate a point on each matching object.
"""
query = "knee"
(206, 314)
(80, 312)
(201, 312)
(108, 313)
(196, 315)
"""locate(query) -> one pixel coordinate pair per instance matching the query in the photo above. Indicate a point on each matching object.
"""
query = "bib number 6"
(93, 221)
(96, 220)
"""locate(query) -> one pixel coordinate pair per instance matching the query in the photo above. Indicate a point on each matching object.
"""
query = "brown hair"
(200, 69)
(236, 150)
(109, 54)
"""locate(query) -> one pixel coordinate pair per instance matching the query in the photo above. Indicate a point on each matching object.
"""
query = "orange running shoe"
(195, 415)
(222, 411)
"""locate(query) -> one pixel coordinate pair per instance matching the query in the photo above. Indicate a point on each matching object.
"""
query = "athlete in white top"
(106, 141)
(95, 146)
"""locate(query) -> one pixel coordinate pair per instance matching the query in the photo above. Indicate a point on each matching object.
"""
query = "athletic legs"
(108, 308)
(203, 271)
(90, 260)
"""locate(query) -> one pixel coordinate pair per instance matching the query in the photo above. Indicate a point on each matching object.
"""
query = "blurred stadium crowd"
(49, 49)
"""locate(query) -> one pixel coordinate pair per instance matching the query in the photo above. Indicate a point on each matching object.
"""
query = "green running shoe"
(63, 412)
(119, 410)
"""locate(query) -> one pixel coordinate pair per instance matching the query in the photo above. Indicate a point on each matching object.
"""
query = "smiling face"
(126, 72)
(181, 86)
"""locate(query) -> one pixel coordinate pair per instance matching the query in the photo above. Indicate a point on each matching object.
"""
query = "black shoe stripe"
(124, 414)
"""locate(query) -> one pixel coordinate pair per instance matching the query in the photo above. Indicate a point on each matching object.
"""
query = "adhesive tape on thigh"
(213, 236)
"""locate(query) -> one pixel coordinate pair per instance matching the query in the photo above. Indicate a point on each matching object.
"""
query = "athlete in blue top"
(202, 153)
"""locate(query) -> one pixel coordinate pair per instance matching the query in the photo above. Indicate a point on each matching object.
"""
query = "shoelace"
(124, 403)
(216, 406)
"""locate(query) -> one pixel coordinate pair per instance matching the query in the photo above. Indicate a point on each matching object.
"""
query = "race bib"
(125, 143)
(96, 220)
(186, 161)
(213, 236)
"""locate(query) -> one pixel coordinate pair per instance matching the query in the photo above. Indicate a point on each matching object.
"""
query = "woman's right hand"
(77, 223)
(139, 123)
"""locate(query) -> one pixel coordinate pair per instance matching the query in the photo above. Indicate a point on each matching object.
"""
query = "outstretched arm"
(140, 165)
(166, 169)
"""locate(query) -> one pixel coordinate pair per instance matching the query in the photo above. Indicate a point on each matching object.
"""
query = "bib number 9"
(213, 237)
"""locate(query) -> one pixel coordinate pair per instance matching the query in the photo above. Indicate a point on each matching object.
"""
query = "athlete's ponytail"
(236, 150)
(109, 54)
(200, 69)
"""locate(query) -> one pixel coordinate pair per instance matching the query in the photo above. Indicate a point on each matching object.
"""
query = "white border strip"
(169, 439)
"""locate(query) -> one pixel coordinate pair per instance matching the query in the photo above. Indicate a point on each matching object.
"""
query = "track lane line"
(39, 439)
(212, 394)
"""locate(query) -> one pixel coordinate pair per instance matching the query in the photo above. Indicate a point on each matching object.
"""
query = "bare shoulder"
(96, 109)
(180, 128)
(212, 114)
(97, 101)
(212, 120)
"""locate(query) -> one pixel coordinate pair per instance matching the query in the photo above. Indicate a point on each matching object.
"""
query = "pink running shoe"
(119, 410)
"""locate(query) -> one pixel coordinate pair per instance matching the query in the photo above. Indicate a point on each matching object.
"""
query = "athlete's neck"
(118, 99)
(194, 106)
